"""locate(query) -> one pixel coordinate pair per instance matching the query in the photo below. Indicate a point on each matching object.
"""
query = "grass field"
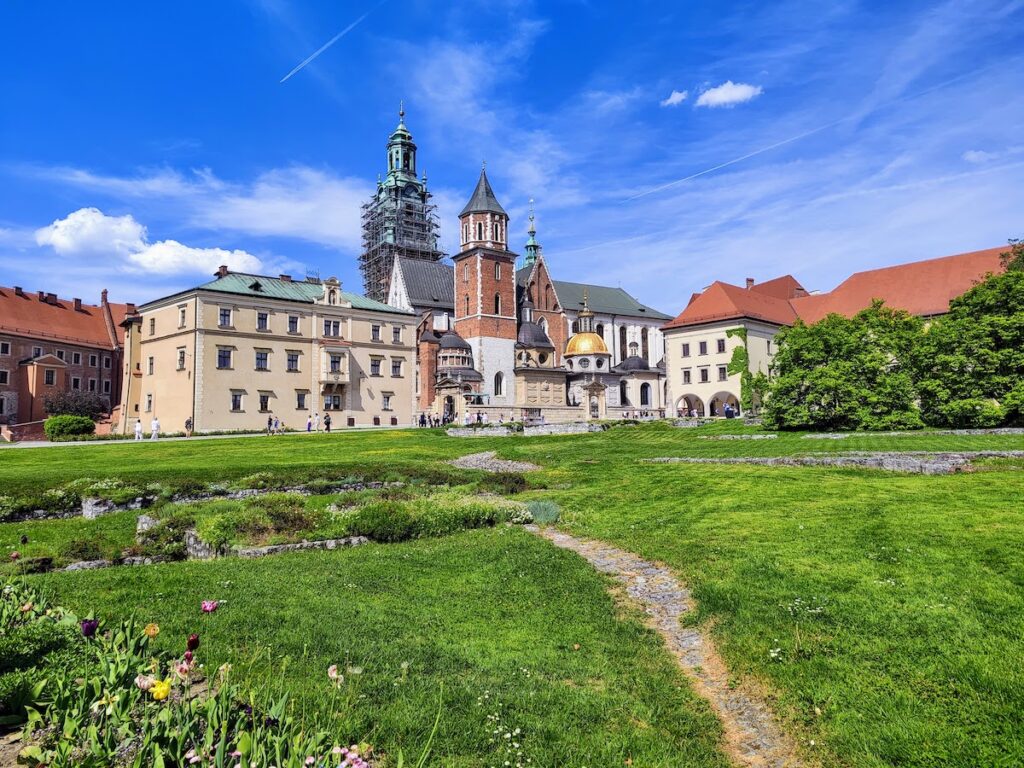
(882, 613)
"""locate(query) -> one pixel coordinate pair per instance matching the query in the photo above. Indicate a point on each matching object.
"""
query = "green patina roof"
(603, 299)
(288, 290)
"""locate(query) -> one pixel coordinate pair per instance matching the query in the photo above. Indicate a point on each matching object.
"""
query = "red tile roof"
(57, 319)
(922, 288)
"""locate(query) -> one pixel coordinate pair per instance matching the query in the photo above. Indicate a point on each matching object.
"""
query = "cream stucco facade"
(269, 347)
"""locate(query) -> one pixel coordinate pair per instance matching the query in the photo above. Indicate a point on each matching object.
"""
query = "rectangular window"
(60, 354)
(264, 401)
(76, 382)
(721, 346)
(152, 326)
(5, 347)
(335, 363)
(94, 361)
(181, 317)
(300, 401)
(181, 358)
(396, 367)
(293, 361)
(106, 387)
(686, 376)
(225, 317)
(5, 377)
(262, 321)
(375, 367)
(293, 324)
(92, 385)
(686, 350)
(374, 333)
(262, 361)
(396, 334)
(723, 373)
(106, 363)
(704, 377)
(332, 402)
(703, 347)
(49, 377)
(149, 403)
(332, 328)
(149, 366)
(386, 402)
(236, 401)
(76, 358)
(223, 358)
(3, 406)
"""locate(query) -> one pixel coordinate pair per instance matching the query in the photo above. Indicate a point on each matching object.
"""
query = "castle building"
(399, 221)
(240, 348)
(50, 345)
(701, 341)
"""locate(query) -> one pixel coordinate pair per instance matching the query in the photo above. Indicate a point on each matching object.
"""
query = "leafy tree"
(846, 373)
(75, 402)
(971, 361)
(1013, 259)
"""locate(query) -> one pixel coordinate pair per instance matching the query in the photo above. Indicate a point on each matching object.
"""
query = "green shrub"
(25, 645)
(504, 482)
(284, 511)
(63, 427)
(76, 403)
(971, 413)
(17, 691)
(166, 539)
(543, 512)
(384, 521)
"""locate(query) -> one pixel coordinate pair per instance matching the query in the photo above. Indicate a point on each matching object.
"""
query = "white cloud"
(978, 156)
(675, 98)
(169, 257)
(610, 101)
(90, 232)
(728, 94)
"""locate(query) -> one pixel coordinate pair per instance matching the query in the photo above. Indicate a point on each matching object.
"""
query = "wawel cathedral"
(498, 336)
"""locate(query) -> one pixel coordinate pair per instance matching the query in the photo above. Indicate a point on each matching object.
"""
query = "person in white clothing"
(138, 429)
(316, 422)
(154, 428)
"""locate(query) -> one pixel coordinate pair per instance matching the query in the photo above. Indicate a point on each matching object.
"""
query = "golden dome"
(586, 344)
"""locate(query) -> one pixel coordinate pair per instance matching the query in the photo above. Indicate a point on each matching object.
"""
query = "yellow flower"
(161, 689)
(152, 630)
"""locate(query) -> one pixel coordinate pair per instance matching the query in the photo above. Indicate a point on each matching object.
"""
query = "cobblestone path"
(752, 735)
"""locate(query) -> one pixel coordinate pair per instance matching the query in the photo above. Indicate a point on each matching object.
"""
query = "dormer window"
(332, 296)
(256, 285)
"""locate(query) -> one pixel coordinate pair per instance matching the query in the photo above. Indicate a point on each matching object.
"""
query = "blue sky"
(143, 144)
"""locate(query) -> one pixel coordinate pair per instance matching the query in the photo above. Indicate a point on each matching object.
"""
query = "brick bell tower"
(485, 292)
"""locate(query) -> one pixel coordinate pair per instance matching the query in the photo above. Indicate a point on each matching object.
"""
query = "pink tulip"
(209, 606)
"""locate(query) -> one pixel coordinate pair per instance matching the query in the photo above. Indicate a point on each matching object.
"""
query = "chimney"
(103, 297)
(129, 309)
(42, 295)
(222, 271)
(18, 291)
(286, 278)
(78, 305)
(51, 298)
(750, 283)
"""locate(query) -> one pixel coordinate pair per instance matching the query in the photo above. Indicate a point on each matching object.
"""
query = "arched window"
(332, 296)
(466, 312)
(499, 384)
(575, 326)
(622, 341)
(497, 270)
(479, 230)
(600, 330)
(547, 296)
(543, 324)
(623, 399)
(633, 348)
(646, 353)
(465, 272)
(465, 233)
(645, 394)
(497, 303)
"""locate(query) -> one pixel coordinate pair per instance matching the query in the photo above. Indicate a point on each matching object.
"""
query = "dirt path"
(752, 735)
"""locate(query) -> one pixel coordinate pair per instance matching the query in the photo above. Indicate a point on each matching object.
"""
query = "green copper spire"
(532, 248)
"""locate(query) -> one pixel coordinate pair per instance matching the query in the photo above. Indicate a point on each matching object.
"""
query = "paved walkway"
(752, 735)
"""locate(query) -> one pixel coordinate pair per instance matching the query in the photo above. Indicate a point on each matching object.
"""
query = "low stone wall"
(197, 549)
(479, 432)
(917, 463)
(737, 437)
(572, 428)
(909, 433)
(488, 462)
(275, 549)
(684, 423)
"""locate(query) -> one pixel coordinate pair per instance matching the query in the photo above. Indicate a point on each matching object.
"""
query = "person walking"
(277, 426)
(327, 422)
(423, 420)
(154, 427)
(316, 422)
(270, 425)
(309, 423)
(188, 427)
(138, 429)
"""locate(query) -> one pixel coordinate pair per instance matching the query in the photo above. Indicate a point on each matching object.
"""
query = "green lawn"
(883, 612)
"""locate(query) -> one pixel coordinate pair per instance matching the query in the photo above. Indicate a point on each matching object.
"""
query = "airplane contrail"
(333, 40)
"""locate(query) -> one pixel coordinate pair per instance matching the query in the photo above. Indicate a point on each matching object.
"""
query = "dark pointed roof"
(533, 336)
(452, 340)
(483, 199)
(428, 283)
